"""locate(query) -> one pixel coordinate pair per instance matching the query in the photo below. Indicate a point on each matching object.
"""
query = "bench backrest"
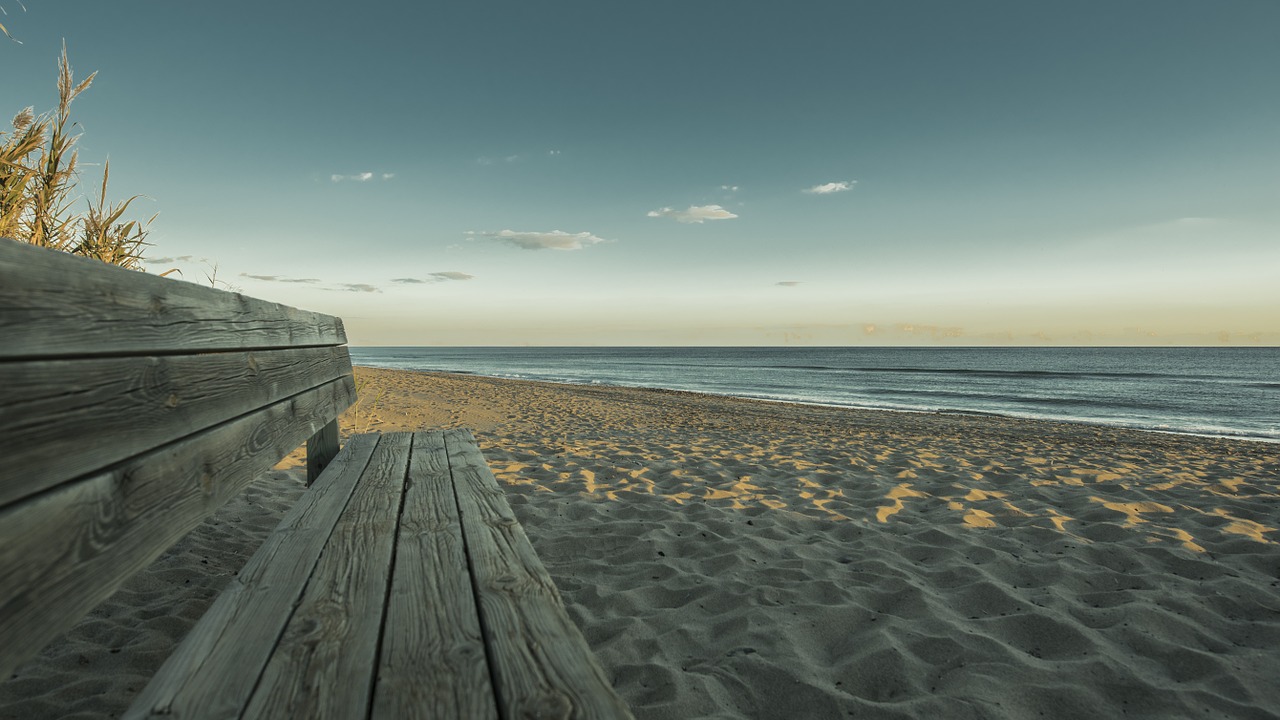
(131, 407)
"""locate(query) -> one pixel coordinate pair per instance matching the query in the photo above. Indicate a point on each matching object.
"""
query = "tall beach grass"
(38, 180)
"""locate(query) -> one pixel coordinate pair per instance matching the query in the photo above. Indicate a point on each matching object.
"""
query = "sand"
(740, 559)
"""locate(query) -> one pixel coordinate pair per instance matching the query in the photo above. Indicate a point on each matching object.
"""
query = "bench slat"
(212, 674)
(61, 419)
(64, 551)
(324, 664)
(433, 664)
(542, 665)
(53, 304)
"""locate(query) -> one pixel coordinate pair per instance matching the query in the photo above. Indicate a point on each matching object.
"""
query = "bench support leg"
(321, 449)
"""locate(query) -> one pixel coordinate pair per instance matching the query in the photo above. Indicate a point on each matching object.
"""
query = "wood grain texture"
(55, 305)
(61, 419)
(213, 672)
(433, 662)
(322, 448)
(542, 666)
(324, 664)
(64, 551)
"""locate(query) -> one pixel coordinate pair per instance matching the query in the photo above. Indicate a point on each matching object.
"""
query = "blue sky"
(705, 172)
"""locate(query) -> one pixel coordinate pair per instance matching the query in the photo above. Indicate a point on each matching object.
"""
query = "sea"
(1217, 391)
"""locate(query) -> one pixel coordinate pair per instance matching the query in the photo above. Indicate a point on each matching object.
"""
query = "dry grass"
(38, 178)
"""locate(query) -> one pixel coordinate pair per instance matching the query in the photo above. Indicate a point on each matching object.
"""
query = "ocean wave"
(981, 372)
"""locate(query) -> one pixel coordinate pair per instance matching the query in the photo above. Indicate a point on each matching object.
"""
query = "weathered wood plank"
(322, 448)
(53, 305)
(433, 662)
(542, 665)
(210, 677)
(64, 551)
(61, 419)
(324, 664)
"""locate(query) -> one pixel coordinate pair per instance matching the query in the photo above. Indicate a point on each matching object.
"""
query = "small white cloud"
(359, 287)
(789, 283)
(730, 188)
(553, 153)
(831, 187)
(695, 214)
(278, 278)
(452, 275)
(494, 161)
(358, 177)
(435, 277)
(554, 240)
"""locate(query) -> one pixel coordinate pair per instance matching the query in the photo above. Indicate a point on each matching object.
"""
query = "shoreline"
(1234, 436)
(736, 558)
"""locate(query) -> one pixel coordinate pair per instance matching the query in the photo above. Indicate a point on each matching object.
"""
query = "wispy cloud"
(788, 283)
(358, 287)
(554, 240)
(485, 160)
(694, 214)
(730, 188)
(360, 177)
(180, 258)
(831, 187)
(278, 278)
(434, 277)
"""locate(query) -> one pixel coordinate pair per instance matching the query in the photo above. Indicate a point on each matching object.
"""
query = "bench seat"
(399, 586)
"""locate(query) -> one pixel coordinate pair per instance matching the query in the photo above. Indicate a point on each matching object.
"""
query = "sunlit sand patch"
(715, 494)
(1230, 486)
(1248, 528)
(1099, 476)
(681, 497)
(589, 483)
(1133, 511)
(975, 494)
(822, 503)
(1239, 526)
(925, 461)
(897, 495)
(1014, 509)
(1169, 485)
(976, 518)
(1187, 539)
(1060, 521)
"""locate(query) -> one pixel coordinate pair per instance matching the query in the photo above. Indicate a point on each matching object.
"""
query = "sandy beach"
(742, 559)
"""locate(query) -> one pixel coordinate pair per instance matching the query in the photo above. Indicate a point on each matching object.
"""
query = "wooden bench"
(400, 585)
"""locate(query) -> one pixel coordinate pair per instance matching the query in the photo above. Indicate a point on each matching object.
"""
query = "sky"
(700, 172)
